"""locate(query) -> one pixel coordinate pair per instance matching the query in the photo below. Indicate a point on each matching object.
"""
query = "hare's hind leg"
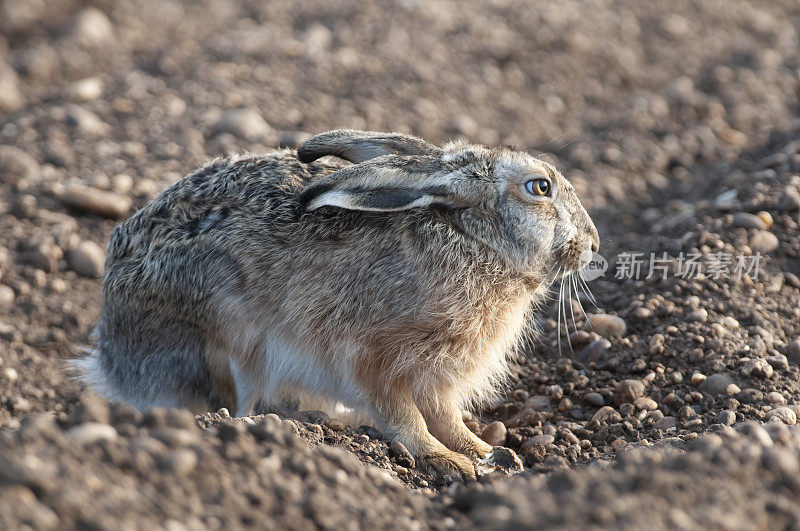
(398, 416)
(445, 422)
(249, 384)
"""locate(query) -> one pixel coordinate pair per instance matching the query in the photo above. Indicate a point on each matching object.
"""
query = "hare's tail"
(145, 385)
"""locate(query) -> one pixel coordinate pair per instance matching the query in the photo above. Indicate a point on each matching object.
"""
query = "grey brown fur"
(398, 284)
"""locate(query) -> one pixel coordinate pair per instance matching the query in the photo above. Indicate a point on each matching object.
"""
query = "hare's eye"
(538, 187)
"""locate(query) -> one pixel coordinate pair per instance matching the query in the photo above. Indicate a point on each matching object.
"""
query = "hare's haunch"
(398, 279)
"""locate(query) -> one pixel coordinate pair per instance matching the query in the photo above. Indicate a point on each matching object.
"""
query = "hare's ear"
(390, 184)
(358, 146)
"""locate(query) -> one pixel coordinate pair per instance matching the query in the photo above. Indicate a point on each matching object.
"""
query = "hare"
(397, 277)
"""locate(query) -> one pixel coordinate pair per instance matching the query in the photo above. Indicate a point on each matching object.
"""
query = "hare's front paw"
(476, 449)
(450, 466)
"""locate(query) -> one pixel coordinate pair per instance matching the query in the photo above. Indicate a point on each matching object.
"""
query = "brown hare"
(397, 278)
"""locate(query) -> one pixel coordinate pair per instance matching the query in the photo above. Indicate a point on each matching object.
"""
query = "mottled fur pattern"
(400, 284)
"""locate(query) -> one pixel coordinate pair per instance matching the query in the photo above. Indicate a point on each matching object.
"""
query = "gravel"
(676, 125)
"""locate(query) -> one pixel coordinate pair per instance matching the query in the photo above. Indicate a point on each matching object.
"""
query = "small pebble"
(783, 414)
(642, 313)
(335, 424)
(10, 374)
(733, 390)
(594, 399)
(6, 296)
(619, 444)
(579, 339)
(645, 403)
(699, 315)
(748, 221)
(698, 378)
(757, 368)
(730, 322)
(100, 202)
(603, 414)
(775, 397)
(246, 124)
(92, 432)
(779, 362)
(665, 423)
(87, 259)
(727, 417)
(793, 351)
(83, 90)
(766, 217)
(763, 242)
(606, 325)
(495, 434)
(180, 461)
(543, 440)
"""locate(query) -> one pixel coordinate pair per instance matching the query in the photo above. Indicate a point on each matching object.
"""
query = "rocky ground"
(672, 404)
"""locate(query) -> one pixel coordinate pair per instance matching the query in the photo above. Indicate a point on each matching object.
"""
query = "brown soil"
(674, 121)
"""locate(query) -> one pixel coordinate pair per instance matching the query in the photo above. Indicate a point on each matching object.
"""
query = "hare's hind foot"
(449, 466)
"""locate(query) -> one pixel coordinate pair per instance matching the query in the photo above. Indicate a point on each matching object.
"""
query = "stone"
(180, 461)
(699, 315)
(733, 390)
(665, 423)
(629, 390)
(495, 434)
(791, 279)
(775, 397)
(594, 399)
(335, 424)
(100, 202)
(85, 121)
(766, 217)
(11, 97)
(642, 313)
(698, 378)
(595, 351)
(783, 414)
(605, 413)
(87, 89)
(246, 124)
(579, 339)
(730, 323)
(748, 221)
(541, 440)
(16, 165)
(645, 403)
(726, 417)
(87, 259)
(757, 368)
(92, 432)
(606, 325)
(789, 201)
(793, 351)
(779, 362)
(716, 384)
(763, 241)
(93, 28)
(504, 459)
(6, 296)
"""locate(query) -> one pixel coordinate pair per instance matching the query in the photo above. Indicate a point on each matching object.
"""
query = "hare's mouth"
(570, 256)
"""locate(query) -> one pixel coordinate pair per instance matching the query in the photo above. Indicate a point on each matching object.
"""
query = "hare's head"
(508, 200)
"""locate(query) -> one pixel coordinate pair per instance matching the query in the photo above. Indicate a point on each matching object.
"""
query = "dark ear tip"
(306, 155)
